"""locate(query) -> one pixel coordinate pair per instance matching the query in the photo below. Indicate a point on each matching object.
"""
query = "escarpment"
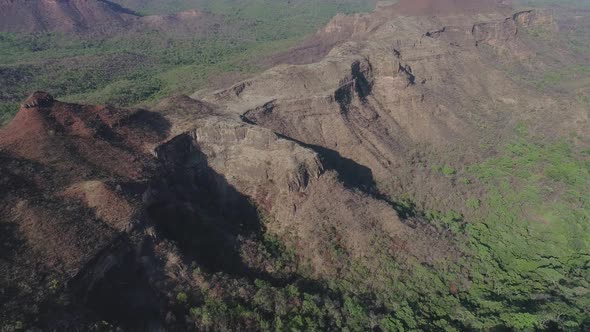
(500, 33)
(409, 82)
(286, 180)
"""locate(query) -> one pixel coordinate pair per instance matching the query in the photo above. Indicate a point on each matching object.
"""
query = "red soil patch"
(71, 179)
(78, 139)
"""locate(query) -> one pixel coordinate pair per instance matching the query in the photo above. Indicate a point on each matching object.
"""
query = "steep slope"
(62, 15)
(93, 193)
(432, 111)
(412, 83)
(343, 28)
(287, 182)
(71, 178)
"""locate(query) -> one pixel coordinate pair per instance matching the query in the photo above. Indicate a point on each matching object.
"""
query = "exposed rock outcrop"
(500, 33)
(406, 84)
(97, 197)
(104, 212)
(288, 181)
(101, 18)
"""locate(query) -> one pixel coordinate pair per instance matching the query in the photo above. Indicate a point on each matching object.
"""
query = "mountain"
(62, 15)
(432, 100)
(98, 18)
(87, 203)
(343, 27)
(71, 174)
(414, 168)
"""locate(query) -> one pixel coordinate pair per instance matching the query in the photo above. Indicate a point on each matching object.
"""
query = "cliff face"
(409, 82)
(94, 194)
(295, 186)
(359, 27)
(501, 33)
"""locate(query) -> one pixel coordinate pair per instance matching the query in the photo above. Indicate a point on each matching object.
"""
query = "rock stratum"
(112, 216)
(399, 86)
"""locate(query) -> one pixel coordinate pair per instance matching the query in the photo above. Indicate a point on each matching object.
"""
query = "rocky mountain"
(101, 192)
(399, 84)
(394, 173)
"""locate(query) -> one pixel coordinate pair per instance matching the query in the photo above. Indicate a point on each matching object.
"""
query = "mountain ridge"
(97, 17)
(398, 174)
(30, 16)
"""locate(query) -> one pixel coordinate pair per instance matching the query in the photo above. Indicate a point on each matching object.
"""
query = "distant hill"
(160, 6)
(247, 8)
(424, 167)
(103, 18)
(62, 15)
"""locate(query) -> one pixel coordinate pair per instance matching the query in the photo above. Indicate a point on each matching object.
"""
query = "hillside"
(423, 167)
(63, 161)
(62, 15)
(96, 19)
(442, 117)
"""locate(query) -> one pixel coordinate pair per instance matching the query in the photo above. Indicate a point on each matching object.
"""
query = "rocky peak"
(38, 99)
(496, 33)
(536, 18)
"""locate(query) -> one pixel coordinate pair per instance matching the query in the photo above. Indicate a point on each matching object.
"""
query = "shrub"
(182, 298)
(472, 203)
